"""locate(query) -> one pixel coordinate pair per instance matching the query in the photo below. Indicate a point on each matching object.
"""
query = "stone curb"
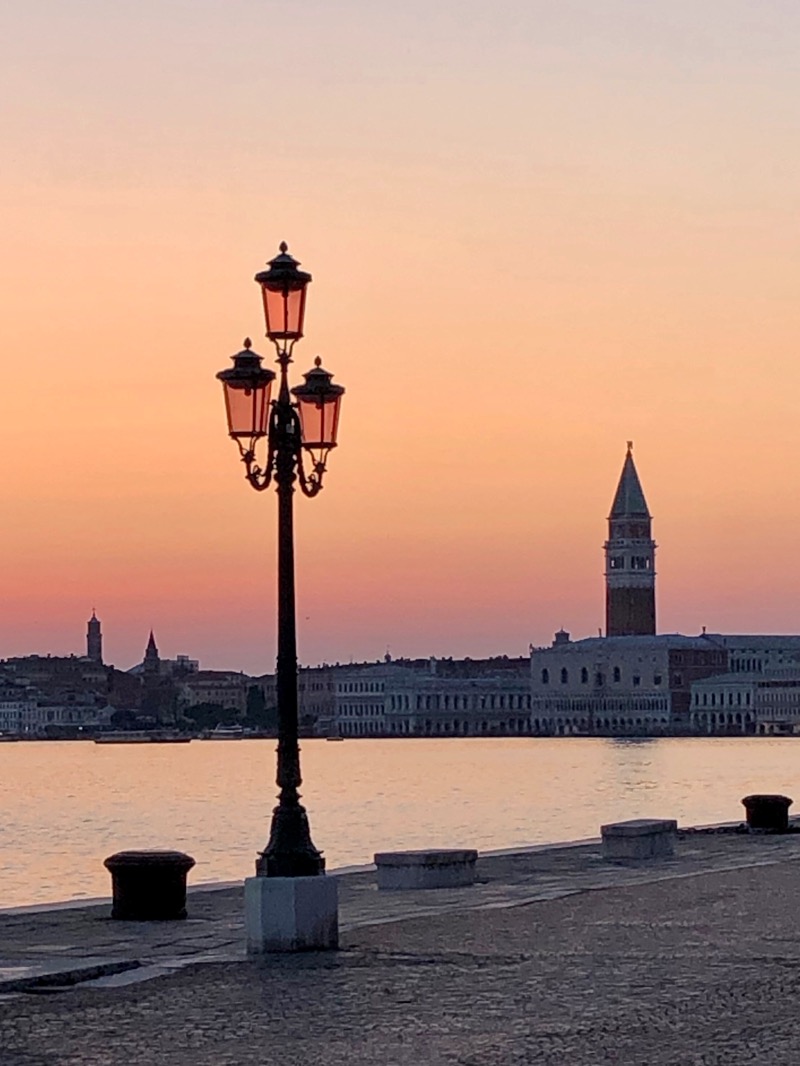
(45, 978)
(365, 868)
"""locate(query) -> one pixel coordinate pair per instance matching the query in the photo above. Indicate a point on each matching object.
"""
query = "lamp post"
(303, 419)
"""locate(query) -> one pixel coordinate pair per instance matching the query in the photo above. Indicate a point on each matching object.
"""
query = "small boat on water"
(225, 732)
(334, 738)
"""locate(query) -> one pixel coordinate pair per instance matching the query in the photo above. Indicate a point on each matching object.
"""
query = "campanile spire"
(630, 559)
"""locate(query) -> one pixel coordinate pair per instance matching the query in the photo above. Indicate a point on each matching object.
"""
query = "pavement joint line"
(70, 976)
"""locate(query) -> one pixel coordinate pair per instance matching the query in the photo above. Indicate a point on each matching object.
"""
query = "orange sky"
(536, 230)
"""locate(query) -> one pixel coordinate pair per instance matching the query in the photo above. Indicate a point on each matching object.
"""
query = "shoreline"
(87, 902)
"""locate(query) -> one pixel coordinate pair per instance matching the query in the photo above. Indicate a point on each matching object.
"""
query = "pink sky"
(536, 230)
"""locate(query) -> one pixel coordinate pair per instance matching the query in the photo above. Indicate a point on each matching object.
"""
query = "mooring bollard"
(149, 886)
(768, 812)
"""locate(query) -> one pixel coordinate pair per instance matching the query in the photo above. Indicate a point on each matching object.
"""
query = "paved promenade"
(556, 957)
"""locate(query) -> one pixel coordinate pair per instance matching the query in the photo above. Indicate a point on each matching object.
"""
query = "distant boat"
(225, 732)
(334, 738)
(136, 736)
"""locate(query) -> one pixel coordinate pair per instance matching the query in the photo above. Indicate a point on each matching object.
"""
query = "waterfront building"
(761, 653)
(777, 704)
(83, 712)
(58, 671)
(627, 685)
(225, 688)
(724, 704)
(19, 707)
(737, 703)
(391, 699)
(316, 699)
(630, 553)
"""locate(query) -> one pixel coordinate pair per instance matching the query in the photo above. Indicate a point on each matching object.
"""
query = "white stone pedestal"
(640, 838)
(446, 868)
(291, 914)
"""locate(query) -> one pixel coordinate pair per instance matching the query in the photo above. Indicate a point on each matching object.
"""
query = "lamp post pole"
(309, 423)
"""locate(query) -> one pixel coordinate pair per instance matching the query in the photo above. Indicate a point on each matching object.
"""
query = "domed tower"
(94, 639)
(630, 559)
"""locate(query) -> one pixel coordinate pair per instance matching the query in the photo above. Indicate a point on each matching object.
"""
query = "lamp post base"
(291, 914)
(290, 852)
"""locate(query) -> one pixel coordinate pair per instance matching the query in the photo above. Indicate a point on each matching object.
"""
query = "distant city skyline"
(628, 488)
(535, 232)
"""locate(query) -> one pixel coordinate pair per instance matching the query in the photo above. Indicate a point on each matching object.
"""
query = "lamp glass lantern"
(247, 386)
(318, 403)
(283, 290)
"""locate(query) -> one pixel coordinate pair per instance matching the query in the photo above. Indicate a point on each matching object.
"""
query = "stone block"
(640, 838)
(447, 868)
(291, 914)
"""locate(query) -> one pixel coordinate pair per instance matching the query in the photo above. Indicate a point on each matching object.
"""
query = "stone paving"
(555, 957)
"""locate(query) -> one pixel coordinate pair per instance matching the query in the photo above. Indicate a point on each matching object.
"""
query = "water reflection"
(68, 805)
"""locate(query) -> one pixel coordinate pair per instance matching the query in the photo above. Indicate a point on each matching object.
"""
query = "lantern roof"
(283, 273)
(318, 384)
(247, 370)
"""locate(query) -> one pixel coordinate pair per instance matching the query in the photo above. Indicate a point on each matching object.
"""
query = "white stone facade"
(724, 704)
(391, 700)
(633, 685)
(759, 653)
(19, 710)
(748, 704)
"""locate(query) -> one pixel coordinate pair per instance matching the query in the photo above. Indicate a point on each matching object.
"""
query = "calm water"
(68, 805)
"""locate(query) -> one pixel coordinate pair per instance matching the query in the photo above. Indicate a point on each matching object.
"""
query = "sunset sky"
(537, 228)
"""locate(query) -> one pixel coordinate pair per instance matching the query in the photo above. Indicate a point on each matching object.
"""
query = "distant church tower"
(630, 559)
(94, 640)
(152, 660)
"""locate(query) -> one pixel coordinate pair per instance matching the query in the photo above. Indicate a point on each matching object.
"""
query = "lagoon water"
(66, 806)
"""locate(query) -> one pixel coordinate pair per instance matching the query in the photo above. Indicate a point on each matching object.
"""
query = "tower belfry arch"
(630, 554)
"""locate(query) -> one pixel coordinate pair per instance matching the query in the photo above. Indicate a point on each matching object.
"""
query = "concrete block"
(447, 868)
(291, 914)
(640, 838)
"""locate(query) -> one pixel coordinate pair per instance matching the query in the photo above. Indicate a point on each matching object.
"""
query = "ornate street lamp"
(309, 423)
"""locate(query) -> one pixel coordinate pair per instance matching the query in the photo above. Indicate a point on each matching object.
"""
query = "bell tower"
(152, 660)
(630, 559)
(94, 639)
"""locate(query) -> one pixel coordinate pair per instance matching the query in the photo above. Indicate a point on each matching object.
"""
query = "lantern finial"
(247, 344)
(318, 361)
(283, 247)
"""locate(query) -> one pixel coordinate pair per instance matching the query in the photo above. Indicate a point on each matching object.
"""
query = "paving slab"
(701, 969)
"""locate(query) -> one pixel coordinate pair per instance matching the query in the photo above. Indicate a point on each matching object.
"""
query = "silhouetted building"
(226, 688)
(94, 639)
(152, 661)
(159, 694)
(630, 559)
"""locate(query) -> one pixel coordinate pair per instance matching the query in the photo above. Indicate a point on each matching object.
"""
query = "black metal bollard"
(149, 886)
(768, 812)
